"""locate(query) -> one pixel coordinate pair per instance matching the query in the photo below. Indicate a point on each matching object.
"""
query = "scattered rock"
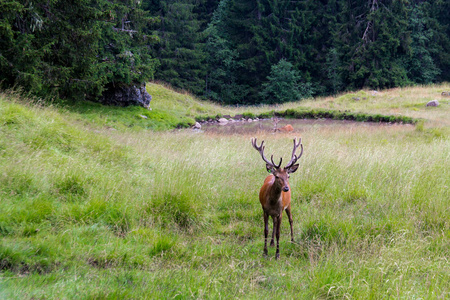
(197, 125)
(356, 98)
(433, 103)
(223, 121)
(446, 94)
(143, 117)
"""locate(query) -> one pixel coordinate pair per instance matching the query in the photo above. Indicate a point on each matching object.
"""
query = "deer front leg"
(273, 233)
(288, 212)
(266, 232)
(277, 234)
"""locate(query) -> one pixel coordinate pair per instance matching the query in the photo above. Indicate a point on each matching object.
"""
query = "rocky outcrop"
(122, 95)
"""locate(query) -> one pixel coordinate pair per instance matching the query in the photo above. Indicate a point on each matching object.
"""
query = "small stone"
(433, 103)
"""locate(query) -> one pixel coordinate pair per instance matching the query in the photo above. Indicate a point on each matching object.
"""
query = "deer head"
(281, 174)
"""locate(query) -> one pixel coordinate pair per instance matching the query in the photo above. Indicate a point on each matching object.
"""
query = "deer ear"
(292, 169)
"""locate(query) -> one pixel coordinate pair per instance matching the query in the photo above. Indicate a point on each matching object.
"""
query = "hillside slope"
(95, 206)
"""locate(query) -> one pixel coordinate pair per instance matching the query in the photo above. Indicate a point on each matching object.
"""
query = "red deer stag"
(287, 128)
(275, 194)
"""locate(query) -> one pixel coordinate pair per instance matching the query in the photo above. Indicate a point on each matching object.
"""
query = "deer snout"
(286, 189)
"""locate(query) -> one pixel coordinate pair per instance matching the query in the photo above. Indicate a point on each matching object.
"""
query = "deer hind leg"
(277, 234)
(272, 243)
(266, 231)
(288, 212)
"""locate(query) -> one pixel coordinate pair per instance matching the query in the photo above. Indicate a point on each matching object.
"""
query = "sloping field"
(94, 205)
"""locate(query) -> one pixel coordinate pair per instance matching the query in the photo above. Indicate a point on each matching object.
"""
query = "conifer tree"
(284, 85)
(421, 67)
(373, 39)
(74, 50)
(180, 50)
(20, 55)
(221, 83)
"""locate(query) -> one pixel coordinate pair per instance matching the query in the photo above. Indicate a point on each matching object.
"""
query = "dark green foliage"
(334, 80)
(73, 49)
(223, 64)
(421, 66)
(371, 38)
(224, 50)
(284, 85)
(335, 46)
(180, 45)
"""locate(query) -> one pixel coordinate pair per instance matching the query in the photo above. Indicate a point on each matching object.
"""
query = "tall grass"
(88, 213)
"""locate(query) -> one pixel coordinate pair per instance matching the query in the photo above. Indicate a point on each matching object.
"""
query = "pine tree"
(124, 52)
(334, 81)
(74, 50)
(284, 84)
(422, 68)
(221, 83)
(180, 50)
(20, 55)
(372, 40)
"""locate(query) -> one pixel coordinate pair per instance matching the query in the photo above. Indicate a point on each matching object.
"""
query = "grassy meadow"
(100, 203)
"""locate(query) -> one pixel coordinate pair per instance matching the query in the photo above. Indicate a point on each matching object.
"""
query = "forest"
(232, 52)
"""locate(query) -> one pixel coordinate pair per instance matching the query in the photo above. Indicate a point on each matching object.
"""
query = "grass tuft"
(95, 205)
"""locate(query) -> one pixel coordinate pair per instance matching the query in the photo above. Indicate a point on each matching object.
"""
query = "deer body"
(273, 199)
(275, 194)
(287, 128)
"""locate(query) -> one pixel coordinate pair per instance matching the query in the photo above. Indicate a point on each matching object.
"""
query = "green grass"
(170, 109)
(93, 213)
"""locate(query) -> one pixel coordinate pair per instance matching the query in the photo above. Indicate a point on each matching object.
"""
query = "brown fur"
(274, 199)
(287, 128)
(275, 194)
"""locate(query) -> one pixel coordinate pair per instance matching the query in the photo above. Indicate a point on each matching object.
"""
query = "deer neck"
(275, 191)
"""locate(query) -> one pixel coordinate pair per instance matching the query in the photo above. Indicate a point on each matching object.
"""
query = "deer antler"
(260, 149)
(295, 157)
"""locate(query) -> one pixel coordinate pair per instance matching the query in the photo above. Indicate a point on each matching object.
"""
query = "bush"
(284, 85)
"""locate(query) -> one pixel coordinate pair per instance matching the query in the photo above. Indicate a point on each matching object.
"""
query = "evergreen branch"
(124, 30)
